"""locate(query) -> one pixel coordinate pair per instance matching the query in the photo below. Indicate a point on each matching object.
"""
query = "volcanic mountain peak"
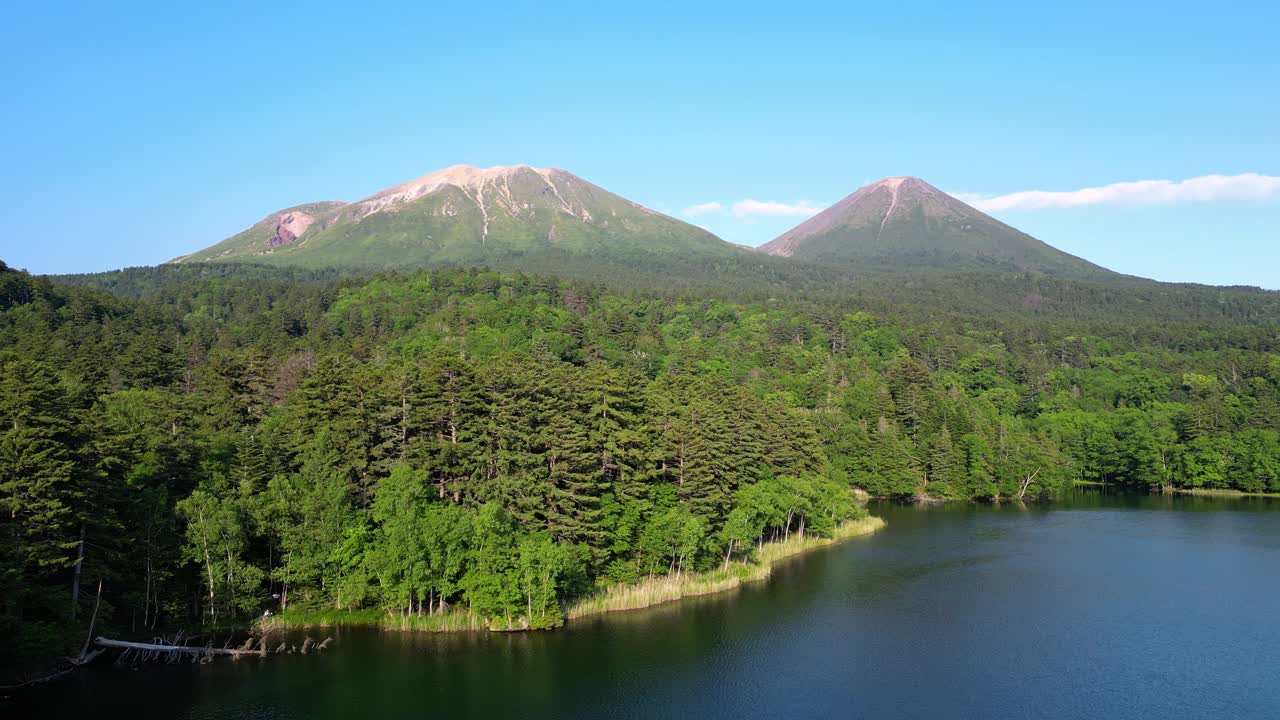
(904, 223)
(892, 186)
(465, 214)
(898, 183)
(471, 180)
(467, 176)
(893, 183)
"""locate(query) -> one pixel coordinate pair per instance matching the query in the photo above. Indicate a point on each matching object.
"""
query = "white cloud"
(747, 208)
(1207, 188)
(974, 199)
(707, 208)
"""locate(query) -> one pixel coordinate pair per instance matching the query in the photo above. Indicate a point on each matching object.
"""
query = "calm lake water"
(1097, 607)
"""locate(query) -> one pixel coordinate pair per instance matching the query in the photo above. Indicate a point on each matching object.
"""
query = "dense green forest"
(1004, 295)
(212, 443)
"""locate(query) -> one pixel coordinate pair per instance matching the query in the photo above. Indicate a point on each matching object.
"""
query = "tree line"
(215, 446)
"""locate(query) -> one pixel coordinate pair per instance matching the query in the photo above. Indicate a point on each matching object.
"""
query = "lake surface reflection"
(1100, 606)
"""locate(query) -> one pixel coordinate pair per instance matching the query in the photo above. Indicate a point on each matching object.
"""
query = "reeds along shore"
(1207, 492)
(659, 590)
(1219, 492)
(617, 598)
(453, 620)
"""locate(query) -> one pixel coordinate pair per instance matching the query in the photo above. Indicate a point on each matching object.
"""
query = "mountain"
(904, 223)
(467, 215)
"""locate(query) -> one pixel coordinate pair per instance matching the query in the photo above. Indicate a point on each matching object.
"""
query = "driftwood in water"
(154, 648)
(251, 647)
(169, 651)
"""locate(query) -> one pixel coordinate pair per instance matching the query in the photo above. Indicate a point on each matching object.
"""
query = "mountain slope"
(463, 215)
(904, 223)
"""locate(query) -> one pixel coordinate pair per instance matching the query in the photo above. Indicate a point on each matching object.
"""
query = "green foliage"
(218, 542)
(420, 445)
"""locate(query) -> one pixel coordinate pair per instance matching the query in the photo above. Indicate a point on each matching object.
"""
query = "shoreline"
(662, 590)
(1223, 492)
(617, 598)
(452, 620)
(1203, 492)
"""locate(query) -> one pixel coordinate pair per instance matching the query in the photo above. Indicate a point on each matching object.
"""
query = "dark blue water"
(1098, 607)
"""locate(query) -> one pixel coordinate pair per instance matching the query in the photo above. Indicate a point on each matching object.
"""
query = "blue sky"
(134, 134)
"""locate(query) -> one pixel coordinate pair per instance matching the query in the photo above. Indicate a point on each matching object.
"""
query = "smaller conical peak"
(892, 183)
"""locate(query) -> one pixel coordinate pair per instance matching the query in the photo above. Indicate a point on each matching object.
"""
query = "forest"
(211, 444)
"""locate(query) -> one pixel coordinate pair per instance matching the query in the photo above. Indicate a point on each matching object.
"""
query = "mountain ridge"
(520, 216)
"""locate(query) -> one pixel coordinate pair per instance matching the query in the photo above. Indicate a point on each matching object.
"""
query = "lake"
(1099, 606)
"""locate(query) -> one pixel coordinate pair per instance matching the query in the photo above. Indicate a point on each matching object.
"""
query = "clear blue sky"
(135, 134)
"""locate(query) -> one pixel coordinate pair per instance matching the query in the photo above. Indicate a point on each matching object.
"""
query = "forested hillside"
(1005, 296)
(506, 442)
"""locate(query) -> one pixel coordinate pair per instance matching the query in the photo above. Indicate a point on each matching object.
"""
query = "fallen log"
(153, 648)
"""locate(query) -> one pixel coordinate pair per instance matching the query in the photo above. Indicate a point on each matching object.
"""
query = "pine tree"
(940, 465)
(575, 483)
(398, 416)
(41, 502)
(451, 414)
(339, 399)
(520, 399)
(710, 474)
(910, 385)
(251, 470)
(791, 443)
(895, 470)
(615, 408)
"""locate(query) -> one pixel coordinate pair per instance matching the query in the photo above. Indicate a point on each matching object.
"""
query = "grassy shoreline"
(660, 590)
(453, 620)
(1206, 492)
(618, 598)
(1215, 492)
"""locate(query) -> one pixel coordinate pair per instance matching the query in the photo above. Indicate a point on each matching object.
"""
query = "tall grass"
(1216, 492)
(454, 620)
(460, 620)
(664, 589)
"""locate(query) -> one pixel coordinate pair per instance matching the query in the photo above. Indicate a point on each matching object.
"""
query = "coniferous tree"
(41, 502)
(451, 414)
(575, 483)
(893, 468)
